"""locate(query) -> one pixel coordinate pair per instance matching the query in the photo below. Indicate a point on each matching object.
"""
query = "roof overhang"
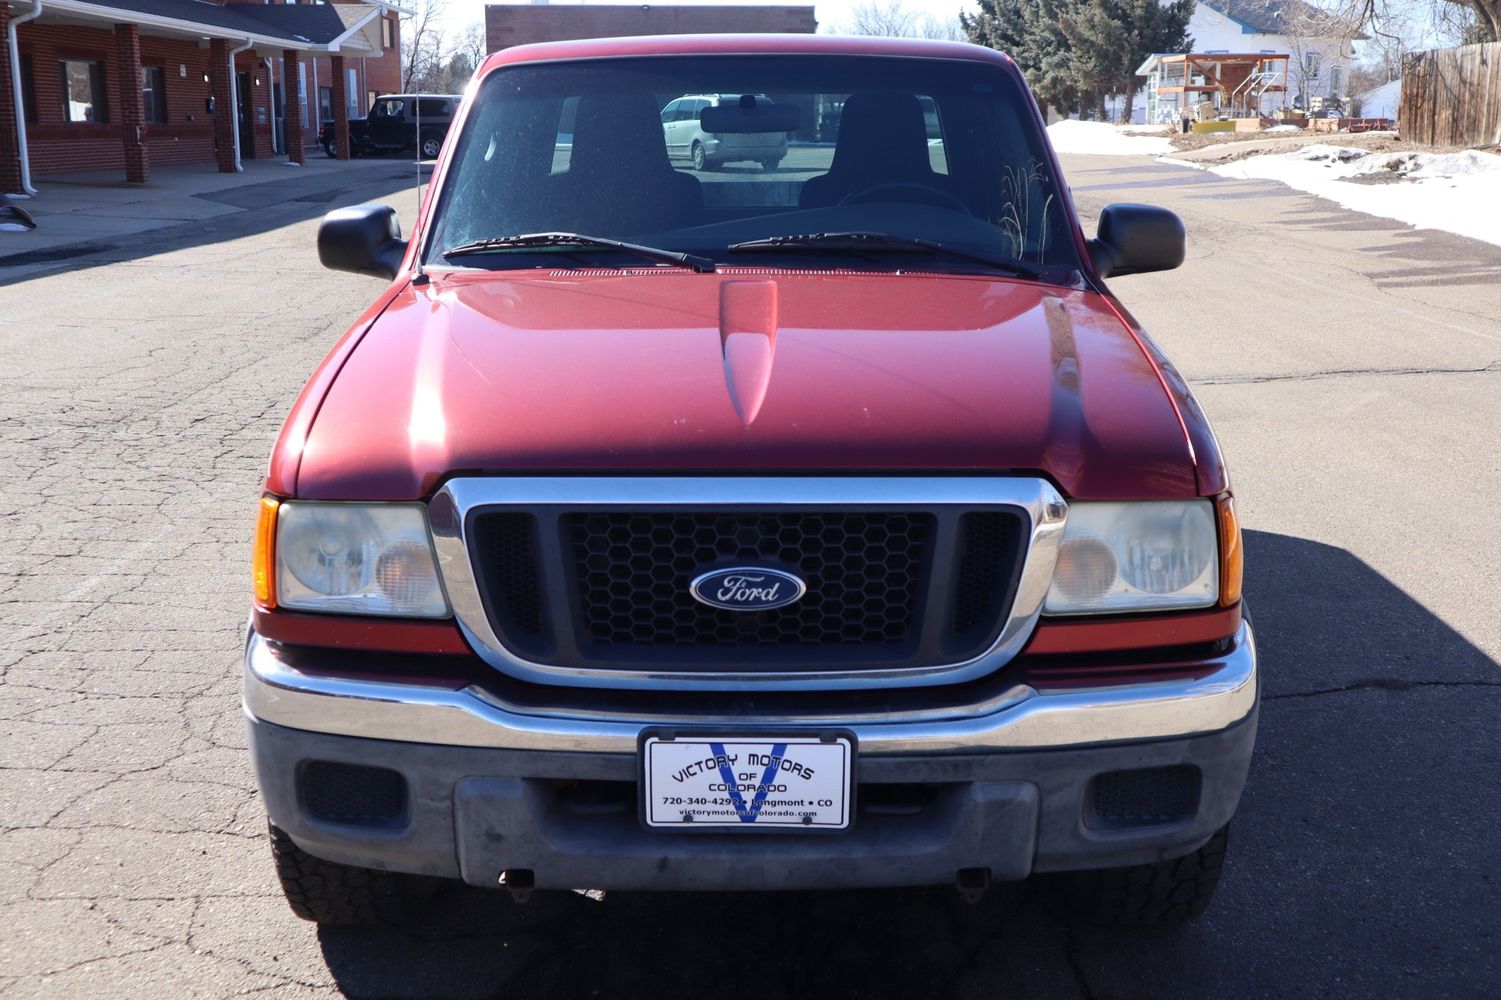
(1158, 59)
(354, 39)
(357, 35)
(393, 8)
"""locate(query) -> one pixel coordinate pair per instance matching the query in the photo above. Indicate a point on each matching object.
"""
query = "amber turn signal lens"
(1232, 555)
(263, 562)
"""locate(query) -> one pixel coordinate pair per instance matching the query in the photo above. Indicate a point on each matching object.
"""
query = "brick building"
(517, 24)
(124, 84)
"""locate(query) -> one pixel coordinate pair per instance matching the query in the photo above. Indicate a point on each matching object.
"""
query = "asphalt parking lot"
(1353, 371)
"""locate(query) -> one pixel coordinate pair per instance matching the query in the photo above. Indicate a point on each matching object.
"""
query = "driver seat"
(883, 139)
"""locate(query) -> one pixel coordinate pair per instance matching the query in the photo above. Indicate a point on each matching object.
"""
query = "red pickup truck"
(819, 524)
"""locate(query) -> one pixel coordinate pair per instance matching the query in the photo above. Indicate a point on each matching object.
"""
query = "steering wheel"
(924, 193)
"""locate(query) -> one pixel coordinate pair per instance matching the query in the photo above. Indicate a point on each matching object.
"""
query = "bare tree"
(421, 43)
(1381, 61)
(434, 61)
(889, 19)
(944, 29)
(1458, 21)
(1470, 20)
(472, 45)
(894, 19)
(458, 61)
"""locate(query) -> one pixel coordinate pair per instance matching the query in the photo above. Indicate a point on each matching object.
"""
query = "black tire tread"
(1166, 892)
(329, 893)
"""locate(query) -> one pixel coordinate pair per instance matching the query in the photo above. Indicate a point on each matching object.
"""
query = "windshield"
(697, 154)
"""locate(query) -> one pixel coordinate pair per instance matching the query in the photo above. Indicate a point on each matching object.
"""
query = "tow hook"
(972, 883)
(519, 882)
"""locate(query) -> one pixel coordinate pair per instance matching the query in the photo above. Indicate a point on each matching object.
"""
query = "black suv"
(393, 125)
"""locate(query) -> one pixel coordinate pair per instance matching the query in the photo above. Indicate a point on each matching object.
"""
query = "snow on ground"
(1456, 192)
(1104, 139)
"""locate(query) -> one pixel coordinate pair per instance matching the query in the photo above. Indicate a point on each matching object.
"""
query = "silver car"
(687, 140)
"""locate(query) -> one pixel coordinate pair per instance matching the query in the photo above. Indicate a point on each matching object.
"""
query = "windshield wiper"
(864, 241)
(527, 241)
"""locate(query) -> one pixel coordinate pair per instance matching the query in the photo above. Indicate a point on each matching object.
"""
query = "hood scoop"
(748, 339)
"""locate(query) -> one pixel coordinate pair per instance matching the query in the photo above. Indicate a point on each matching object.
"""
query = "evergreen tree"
(1029, 31)
(1076, 52)
(1155, 27)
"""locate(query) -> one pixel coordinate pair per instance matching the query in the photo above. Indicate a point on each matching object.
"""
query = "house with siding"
(1321, 46)
(1318, 49)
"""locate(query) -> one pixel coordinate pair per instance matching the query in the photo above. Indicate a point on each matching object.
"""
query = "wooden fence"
(1452, 97)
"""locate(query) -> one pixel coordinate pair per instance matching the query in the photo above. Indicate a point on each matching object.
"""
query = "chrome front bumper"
(1018, 717)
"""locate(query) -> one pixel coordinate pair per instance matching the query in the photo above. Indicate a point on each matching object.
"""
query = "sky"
(829, 12)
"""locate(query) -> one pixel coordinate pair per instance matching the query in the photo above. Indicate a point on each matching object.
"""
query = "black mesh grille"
(984, 547)
(506, 545)
(1145, 795)
(353, 794)
(863, 573)
(887, 587)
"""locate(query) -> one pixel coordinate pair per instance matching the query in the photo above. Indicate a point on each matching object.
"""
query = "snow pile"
(1322, 152)
(1104, 139)
(1420, 166)
(1456, 192)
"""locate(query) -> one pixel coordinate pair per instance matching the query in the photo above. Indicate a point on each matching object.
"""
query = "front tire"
(332, 894)
(328, 150)
(1167, 892)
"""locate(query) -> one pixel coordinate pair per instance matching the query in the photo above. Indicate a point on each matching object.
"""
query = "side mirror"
(364, 239)
(1135, 239)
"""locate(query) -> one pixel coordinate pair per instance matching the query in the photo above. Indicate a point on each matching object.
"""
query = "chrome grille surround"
(450, 508)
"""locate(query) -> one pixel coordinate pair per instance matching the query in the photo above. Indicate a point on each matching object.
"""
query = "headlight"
(1151, 555)
(364, 559)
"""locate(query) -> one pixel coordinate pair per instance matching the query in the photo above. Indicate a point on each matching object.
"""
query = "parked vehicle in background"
(686, 138)
(665, 530)
(398, 122)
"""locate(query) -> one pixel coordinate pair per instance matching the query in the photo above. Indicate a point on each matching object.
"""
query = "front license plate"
(747, 782)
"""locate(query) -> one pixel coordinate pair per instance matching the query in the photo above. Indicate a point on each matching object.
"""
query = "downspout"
(17, 97)
(234, 100)
(313, 99)
(271, 77)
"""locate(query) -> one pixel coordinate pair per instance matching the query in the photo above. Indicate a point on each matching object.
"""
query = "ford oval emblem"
(747, 588)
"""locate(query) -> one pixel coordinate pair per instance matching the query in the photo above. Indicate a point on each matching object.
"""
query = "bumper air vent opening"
(353, 794)
(1146, 796)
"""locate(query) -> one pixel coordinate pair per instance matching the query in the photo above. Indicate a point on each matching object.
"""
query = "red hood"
(745, 371)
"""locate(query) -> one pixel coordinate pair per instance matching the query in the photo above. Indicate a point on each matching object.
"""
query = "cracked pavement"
(1353, 371)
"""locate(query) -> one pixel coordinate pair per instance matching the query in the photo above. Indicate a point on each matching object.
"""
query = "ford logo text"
(747, 588)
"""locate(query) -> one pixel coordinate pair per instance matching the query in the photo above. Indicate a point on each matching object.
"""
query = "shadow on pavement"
(1361, 862)
(263, 207)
